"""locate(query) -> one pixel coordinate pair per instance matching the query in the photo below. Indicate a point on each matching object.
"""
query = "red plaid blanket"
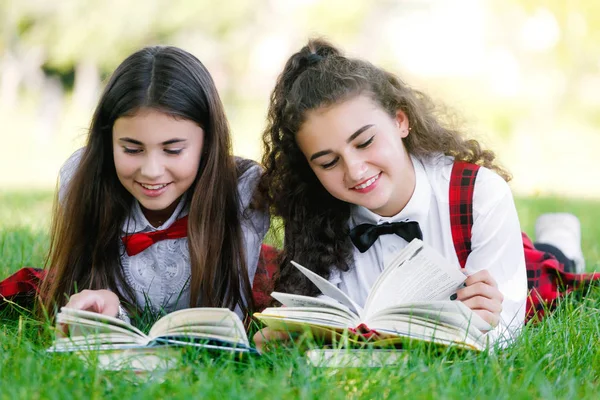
(547, 279)
(22, 286)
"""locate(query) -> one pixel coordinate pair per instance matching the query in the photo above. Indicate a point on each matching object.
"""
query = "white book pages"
(199, 316)
(425, 276)
(329, 289)
(296, 300)
(461, 314)
(314, 315)
(71, 315)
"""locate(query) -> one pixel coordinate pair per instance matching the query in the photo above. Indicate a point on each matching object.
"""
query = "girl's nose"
(356, 170)
(152, 167)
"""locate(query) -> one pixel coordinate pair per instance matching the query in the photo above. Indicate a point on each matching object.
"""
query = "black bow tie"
(364, 235)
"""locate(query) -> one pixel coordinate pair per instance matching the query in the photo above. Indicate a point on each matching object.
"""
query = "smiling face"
(156, 158)
(355, 149)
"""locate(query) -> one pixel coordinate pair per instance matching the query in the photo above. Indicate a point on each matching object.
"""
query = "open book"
(409, 300)
(211, 328)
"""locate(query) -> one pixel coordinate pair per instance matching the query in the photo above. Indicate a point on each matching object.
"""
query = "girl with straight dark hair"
(153, 213)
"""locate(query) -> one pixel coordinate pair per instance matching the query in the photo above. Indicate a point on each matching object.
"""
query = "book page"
(323, 331)
(84, 322)
(329, 289)
(200, 333)
(424, 276)
(453, 313)
(423, 330)
(406, 253)
(402, 256)
(197, 318)
(296, 300)
(209, 344)
(313, 315)
(92, 342)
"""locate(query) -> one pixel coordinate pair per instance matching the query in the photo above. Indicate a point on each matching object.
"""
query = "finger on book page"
(87, 300)
(481, 276)
(98, 301)
(479, 289)
(483, 303)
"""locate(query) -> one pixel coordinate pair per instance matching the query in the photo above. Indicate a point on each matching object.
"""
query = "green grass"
(558, 358)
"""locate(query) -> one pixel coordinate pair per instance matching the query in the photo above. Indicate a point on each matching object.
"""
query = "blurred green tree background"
(524, 75)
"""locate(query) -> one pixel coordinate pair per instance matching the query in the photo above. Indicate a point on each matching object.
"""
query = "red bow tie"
(138, 242)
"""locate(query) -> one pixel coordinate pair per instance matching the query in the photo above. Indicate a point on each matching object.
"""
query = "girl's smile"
(368, 185)
(153, 190)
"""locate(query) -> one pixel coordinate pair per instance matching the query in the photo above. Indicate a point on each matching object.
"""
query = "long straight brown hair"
(86, 228)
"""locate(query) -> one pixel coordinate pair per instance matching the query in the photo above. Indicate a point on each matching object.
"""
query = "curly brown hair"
(316, 223)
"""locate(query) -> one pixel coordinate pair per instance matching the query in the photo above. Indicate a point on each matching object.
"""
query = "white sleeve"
(67, 171)
(255, 223)
(497, 245)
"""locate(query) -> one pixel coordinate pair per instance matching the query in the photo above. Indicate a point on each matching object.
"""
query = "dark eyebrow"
(165, 143)
(358, 132)
(172, 141)
(351, 138)
(129, 140)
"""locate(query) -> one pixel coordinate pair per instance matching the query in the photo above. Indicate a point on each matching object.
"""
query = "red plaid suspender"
(462, 183)
(264, 279)
(546, 277)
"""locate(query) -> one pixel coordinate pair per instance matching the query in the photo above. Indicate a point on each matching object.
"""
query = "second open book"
(211, 328)
(409, 300)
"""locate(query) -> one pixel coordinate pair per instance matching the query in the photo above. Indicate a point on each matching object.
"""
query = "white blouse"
(159, 275)
(496, 239)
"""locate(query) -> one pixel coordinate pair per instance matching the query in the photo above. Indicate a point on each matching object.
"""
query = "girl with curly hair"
(357, 163)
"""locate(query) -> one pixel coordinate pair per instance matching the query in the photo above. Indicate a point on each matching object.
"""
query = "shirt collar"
(137, 222)
(416, 209)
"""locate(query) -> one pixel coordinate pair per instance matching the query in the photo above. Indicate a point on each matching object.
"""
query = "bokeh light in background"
(524, 75)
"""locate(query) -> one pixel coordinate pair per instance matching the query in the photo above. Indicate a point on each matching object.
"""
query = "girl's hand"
(266, 335)
(481, 295)
(98, 301)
